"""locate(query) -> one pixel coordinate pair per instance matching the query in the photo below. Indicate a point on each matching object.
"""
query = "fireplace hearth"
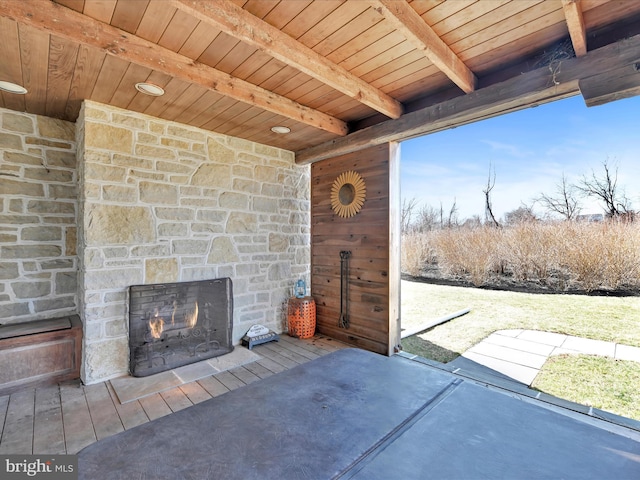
(175, 324)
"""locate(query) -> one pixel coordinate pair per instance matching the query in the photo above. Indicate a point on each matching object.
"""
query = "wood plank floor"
(64, 418)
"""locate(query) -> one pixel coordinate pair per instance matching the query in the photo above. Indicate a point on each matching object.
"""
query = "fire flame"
(192, 318)
(156, 326)
(173, 314)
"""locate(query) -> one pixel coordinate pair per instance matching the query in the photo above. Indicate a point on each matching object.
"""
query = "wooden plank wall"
(372, 236)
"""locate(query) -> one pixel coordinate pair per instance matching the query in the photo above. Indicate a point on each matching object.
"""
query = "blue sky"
(529, 151)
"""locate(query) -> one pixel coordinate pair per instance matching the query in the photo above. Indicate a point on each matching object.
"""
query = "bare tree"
(524, 213)
(427, 218)
(565, 202)
(488, 209)
(473, 222)
(408, 207)
(606, 189)
(452, 221)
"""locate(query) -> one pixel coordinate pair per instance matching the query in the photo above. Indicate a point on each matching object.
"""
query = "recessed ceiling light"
(12, 88)
(149, 89)
(280, 129)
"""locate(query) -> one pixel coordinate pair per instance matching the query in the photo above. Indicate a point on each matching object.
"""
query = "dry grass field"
(553, 256)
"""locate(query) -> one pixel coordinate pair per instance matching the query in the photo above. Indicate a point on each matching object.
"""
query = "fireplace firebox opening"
(175, 324)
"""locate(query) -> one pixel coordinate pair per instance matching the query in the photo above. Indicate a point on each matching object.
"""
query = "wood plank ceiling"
(341, 75)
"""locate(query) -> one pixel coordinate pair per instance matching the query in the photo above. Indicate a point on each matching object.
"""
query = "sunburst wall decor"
(348, 194)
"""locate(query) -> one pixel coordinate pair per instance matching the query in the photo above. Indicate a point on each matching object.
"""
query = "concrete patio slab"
(625, 352)
(358, 415)
(547, 338)
(516, 343)
(520, 373)
(520, 354)
(511, 333)
(508, 354)
(591, 347)
(564, 351)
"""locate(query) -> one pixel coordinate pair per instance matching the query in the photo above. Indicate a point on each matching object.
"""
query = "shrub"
(529, 250)
(468, 251)
(588, 256)
(416, 253)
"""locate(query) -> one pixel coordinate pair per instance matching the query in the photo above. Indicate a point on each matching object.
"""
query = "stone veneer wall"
(38, 213)
(164, 202)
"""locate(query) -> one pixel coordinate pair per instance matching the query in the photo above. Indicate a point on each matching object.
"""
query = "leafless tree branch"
(488, 209)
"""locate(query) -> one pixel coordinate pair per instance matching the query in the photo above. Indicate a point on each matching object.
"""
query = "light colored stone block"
(119, 193)
(173, 167)
(278, 242)
(151, 151)
(219, 153)
(32, 289)
(10, 140)
(212, 175)
(233, 201)
(131, 161)
(22, 158)
(30, 251)
(105, 173)
(54, 128)
(134, 121)
(266, 174)
(222, 251)
(17, 122)
(105, 359)
(185, 132)
(116, 224)
(66, 282)
(190, 247)
(57, 158)
(42, 234)
(109, 279)
(108, 137)
(158, 193)
(17, 187)
(161, 270)
(240, 222)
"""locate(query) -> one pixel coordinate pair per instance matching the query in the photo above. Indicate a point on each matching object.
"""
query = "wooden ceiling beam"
(242, 25)
(69, 24)
(419, 34)
(522, 91)
(610, 86)
(575, 23)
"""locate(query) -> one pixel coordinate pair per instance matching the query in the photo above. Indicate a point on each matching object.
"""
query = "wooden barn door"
(372, 236)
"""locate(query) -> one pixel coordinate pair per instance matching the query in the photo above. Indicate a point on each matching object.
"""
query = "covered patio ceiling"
(341, 75)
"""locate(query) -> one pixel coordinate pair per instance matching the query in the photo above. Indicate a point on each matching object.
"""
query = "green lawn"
(599, 382)
(615, 319)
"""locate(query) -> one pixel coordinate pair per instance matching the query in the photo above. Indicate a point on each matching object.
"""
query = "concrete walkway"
(520, 354)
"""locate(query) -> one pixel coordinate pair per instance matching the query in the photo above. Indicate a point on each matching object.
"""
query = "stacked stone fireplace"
(165, 203)
(130, 199)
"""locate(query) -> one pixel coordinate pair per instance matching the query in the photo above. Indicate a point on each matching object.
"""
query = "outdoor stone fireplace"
(175, 324)
(131, 199)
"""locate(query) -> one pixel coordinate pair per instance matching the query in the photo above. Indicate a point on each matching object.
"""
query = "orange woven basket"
(301, 316)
